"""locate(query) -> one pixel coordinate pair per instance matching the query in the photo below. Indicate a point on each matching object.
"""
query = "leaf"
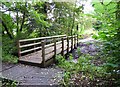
(7, 4)
(99, 7)
(112, 6)
(106, 2)
(111, 64)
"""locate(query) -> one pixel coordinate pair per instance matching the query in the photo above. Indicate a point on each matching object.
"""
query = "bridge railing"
(50, 46)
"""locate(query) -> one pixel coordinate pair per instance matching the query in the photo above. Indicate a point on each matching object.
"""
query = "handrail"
(30, 44)
(41, 38)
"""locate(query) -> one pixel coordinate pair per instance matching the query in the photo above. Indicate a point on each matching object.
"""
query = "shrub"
(9, 50)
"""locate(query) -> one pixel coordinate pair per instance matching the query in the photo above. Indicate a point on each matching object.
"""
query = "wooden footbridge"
(42, 51)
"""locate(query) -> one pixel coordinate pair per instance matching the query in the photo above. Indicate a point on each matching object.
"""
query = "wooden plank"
(49, 45)
(48, 50)
(58, 51)
(31, 59)
(59, 46)
(58, 39)
(41, 38)
(35, 57)
(70, 36)
(25, 51)
(48, 56)
(28, 45)
(58, 42)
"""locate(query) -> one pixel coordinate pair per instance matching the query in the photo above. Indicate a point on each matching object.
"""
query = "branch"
(4, 25)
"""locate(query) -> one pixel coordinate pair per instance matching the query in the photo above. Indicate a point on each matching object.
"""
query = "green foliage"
(8, 83)
(9, 58)
(9, 50)
(84, 65)
(79, 51)
(107, 13)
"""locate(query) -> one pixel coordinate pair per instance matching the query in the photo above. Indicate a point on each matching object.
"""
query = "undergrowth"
(9, 50)
(84, 66)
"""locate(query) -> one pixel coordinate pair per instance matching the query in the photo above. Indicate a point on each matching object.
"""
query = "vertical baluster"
(54, 41)
(67, 44)
(71, 43)
(77, 40)
(43, 53)
(62, 46)
(19, 49)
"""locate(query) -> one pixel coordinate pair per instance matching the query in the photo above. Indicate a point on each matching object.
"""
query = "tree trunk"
(118, 18)
(118, 11)
(17, 22)
(73, 20)
(73, 23)
(22, 21)
(24, 13)
(4, 25)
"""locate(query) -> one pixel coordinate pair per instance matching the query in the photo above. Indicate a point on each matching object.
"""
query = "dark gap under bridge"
(42, 51)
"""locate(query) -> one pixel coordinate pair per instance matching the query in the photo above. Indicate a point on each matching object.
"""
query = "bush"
(9, 50)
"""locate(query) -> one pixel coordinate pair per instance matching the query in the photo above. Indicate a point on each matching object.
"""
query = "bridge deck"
(36, 57)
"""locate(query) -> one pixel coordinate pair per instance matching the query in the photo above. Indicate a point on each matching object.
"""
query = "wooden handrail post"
(77, 40)
(54, 41)
(67, 44)
(19, 50)
(71, 43)
(74, 41)
(34, 46)
(43, 53)
(62, 46)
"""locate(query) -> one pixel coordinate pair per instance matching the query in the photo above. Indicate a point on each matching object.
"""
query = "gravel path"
(31, 75)
(87, 46)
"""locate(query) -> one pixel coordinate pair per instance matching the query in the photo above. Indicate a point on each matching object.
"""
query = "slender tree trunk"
(73, 20)
(118, 18)
(22, 21)
(24, 13)
(118, 11)
(17, 22)
(73, 23)
(46, 6)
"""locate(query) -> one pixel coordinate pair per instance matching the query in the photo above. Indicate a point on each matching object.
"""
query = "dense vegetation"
(28, 20)
(109, 14)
